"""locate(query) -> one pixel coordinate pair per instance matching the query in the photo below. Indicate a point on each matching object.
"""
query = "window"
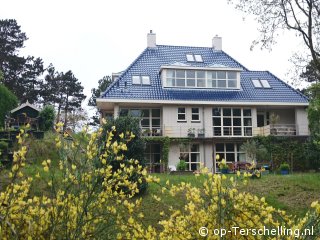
(152, 156)
(257, 83)
(194, 58)
(190, 153)
(231, 122)
(181, 114)
(230, 152)
(265, 83)
(145, 80)
(201, 79)
(150, 120)
(198, 58)
(190, 58)
(138, 80)
(195, 116)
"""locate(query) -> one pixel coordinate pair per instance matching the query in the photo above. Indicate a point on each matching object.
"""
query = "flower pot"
(224, 171)
(284, 172)
(191, 135)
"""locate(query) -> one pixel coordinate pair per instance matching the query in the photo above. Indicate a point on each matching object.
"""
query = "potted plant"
(284, 168)
(201, 132)
(223, 166)
(182, 165)
(191, 132)
(274, 119)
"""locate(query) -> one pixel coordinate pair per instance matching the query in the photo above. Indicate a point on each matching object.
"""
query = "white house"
(205, 96)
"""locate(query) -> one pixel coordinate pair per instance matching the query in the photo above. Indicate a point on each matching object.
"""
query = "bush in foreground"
(86, 200)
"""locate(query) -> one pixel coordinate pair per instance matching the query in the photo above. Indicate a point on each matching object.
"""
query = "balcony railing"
(276, 130)
(247, 131)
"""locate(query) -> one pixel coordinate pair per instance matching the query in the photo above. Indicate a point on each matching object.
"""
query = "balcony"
(276, 130)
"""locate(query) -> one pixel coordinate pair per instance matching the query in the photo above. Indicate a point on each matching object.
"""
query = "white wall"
(301, 117)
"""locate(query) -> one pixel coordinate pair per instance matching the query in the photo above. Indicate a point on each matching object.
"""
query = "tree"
(311, 73)
(103, 84)
(8, 101)
(47, 117)
(73, 96)
(64, 91)
(299, 16)
(21, 75)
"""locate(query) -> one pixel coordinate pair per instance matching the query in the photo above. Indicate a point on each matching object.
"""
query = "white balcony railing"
(276, 130)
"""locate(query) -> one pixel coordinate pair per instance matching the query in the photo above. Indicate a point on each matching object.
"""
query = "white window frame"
(142, 80)
(190, 153)
(182, 114)
(195, 114)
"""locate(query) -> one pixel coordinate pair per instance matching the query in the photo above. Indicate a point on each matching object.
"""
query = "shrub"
(119, 128)
(47, 116)
(81, 201)
(182, 165)
(284, 167)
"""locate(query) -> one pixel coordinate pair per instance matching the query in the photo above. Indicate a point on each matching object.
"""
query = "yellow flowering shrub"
(223, 211)
(85, 197)
(88, 199)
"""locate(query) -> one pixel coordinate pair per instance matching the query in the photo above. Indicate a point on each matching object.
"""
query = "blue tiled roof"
(151, 59)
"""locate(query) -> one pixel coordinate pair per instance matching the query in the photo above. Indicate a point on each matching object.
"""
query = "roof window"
(138, 80)
(194, 57)
(257, 83)
(190, 58)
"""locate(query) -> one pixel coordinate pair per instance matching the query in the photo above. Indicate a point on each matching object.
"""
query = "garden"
(85, 185)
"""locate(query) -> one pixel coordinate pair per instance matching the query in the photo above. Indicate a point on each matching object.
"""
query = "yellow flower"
(217, 157)
(73, 167)
(46, 169)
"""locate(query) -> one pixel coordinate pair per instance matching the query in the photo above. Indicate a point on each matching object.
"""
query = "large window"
(230, 152)
(231, 122)
(150, 120)
(152, 156)
(195, 115)
(201, 79)
(190, 153)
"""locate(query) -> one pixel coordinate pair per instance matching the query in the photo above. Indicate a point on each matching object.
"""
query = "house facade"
(205, 101)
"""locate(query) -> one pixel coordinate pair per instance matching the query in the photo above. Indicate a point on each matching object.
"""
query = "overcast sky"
(98, 37)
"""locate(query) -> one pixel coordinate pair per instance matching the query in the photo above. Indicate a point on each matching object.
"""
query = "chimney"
(217, 43)
(151, 40)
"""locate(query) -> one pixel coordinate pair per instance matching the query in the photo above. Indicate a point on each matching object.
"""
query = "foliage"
(83, 202)
(47, 117)
(311, 72)
(284, 167)
(182, 165)
(8, 101)
(64, 91)
(254, 151)
(21, 75)
(223, 164)
(135, 148)
(217, 204)
(3, 146)
(299, 17)
(103, 84)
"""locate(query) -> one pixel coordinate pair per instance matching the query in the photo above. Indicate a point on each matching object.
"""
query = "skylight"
(198, 58)
(190, 58)
(265, 83)
(194, 57)
(258, 83)
(138, 80)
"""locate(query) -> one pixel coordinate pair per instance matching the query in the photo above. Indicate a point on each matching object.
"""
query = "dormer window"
(194, 58)
(192, 78)
(138, 80)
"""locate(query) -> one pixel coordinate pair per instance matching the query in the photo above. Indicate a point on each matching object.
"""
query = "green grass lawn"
(292, 193)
